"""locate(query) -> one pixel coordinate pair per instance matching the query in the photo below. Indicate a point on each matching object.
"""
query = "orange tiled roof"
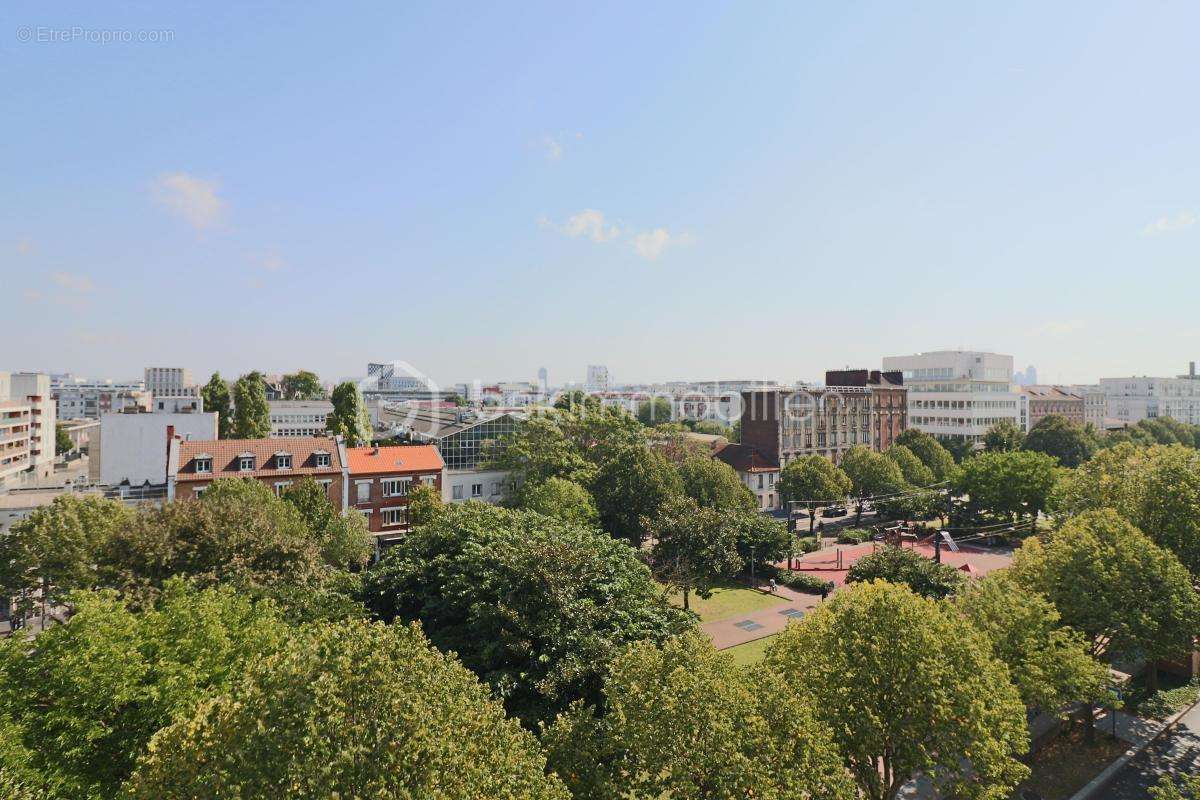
(225, 454)
(403, 458)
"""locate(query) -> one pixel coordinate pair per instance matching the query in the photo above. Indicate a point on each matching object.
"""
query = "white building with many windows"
(169, 381)
(958, 393)
(27, 418)
(1134, 399)
(298, 417)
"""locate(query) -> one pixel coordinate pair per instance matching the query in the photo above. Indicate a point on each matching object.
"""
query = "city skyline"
(769, 192)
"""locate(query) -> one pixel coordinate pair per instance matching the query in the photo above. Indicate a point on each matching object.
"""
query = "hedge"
(803, 582)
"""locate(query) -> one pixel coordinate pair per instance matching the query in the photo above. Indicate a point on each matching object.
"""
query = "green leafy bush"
(1166, 702)
(803, 582)
(854, 536)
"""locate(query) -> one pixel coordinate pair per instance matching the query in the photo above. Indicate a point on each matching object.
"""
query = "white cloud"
(651, 244)
(192, 198)
(1181, 221)
(78, 284)
(590, 223)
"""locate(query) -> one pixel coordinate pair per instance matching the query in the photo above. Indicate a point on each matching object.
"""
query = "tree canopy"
(561, 499)
(870, 473)
(1003, 437)
(912, 468)
(349, 418)
(1013, 484)
(694, 548)
(906, 685)
(353, 710)
(216, 397)
(251, 414)
(631, 487)
(1066, 441)
(900, 565)
(535, 606)
(302, 385)
(681, 720)
(654, 412)
(715, 484)
(930, 451)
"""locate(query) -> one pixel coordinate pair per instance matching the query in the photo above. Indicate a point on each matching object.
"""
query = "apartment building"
(192, 465)
(298, 417)
(380, 480)
(1134, 399)
(1095, 404)
(958, 393)
(130, 448)
(27, 419)
(1044, 401)
(83, 398)
(597, 378)
(785, 423)
(169, 381)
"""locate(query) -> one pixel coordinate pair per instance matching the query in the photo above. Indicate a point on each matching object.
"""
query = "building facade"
(27, 420)
(1095, 405)
(1134, 399)
(783, 424)
(597, 378)
(1045, 401)
(298, 417)
(756, 471)
(169, 381)
(192, 465)
(82, 398)
(958, 393)
(381, 480)
(131, 448)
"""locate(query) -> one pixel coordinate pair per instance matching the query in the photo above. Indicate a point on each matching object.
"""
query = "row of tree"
(243, 411)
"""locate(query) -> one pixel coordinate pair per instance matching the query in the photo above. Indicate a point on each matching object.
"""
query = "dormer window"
(321, 459)
(283, 461)
(246, 462)
(204, 463)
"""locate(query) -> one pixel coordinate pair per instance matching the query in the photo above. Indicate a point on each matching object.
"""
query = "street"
(1176, 753)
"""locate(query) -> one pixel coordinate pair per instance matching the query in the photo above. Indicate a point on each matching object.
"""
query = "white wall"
(465, 479)
(133, 447)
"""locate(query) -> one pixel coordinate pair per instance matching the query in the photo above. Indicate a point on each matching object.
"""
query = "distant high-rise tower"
(1027, 378)
(597, 378)
(543, 381)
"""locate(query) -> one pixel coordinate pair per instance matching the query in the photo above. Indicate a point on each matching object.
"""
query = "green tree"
(930, 451)
(1048, 662)
(912, 468)
(761, 540)
(684, 721)
(907, 686)
(344, 539)
(898, 565)
(1123, 593)
(354, 710)
(216, 397)
(89, 695)
(813, 481)
(1155, 488)
(1009, 484)
(562, 499)
(540, 449)
(1003, 437)
(302, 385)
(652, 413)
(715, 484)
(251, 415)
(695, 548)
(871, 475)
(535, 606)
(1174, 787)
(577, 401)
(349, 417)
(960, 448)
(630, 488)
(1066, 441)
(54, 551)
(424, 504)
(62, 440)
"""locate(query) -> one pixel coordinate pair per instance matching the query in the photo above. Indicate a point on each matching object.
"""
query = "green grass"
(728, 601)
(750, 653)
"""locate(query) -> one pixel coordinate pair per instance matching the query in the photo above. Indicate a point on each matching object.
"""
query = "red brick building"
(194, 464)
(380, 479)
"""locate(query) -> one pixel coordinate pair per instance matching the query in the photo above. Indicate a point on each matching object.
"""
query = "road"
(1176, 753)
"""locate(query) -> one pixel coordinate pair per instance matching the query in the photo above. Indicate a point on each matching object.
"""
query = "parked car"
(834, 511)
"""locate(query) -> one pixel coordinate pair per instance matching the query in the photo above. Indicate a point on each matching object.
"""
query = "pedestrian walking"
(774, 588)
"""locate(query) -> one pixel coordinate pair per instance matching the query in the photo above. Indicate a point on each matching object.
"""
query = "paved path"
(1176, 753)
(726, 633)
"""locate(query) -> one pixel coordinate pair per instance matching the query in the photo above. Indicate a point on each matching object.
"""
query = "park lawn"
(1065, 765)
(750, 653)
(728, 601)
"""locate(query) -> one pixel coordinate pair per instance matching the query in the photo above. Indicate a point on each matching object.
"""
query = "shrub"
(1166, 702)
(854, 536)
(803, 582)
(808, 545)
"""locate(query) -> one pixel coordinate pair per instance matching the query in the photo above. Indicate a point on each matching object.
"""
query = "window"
(283, 461)
(203, 465)
(321, 459)
(396, 487)
(429, 480)
(476, 490)
(246, 463)
(280, 486)
(199, 490)
(362, 491)
(457, 492)
(325, 484)
(394, 516)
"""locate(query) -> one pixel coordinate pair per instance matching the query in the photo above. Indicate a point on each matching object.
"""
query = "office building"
(169, 381)
(299, 417)
(958, 393)
(1134, 399)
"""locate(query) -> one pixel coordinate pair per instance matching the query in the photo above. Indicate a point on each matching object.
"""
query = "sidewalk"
(742, 628)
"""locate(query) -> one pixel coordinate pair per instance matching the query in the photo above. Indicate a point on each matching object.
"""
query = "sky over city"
(675, 190)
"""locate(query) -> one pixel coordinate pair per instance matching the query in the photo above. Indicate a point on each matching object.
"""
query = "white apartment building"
(85, 398)
(958, 393)
(132, 448)
(27, 418)
(169, 381)
(1134, 399)
(597, 378)
(299, 417)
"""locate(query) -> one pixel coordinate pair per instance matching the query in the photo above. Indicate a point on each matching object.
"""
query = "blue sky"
(676, 190)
